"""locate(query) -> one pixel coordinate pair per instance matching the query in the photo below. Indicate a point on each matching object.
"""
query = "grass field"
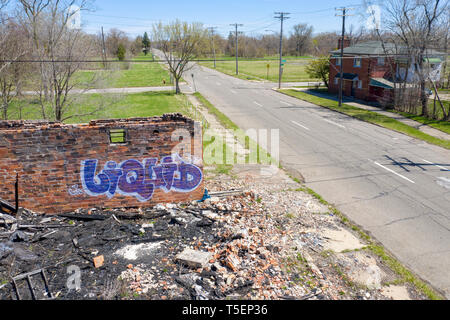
(146, 104)
(294, 70)
(368, 116)
(145, 74)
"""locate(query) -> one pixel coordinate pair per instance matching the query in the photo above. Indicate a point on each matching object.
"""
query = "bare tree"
(14, 46)
(60, 51)
(300, 39)
(179, 43)
(416, 24)
(325, 42)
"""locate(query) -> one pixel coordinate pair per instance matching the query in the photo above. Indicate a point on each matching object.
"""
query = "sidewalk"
(366, 106)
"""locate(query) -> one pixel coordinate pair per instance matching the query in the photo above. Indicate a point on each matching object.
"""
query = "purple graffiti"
(134, 178)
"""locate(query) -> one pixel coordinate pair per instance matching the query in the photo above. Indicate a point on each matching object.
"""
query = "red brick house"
(369, 72)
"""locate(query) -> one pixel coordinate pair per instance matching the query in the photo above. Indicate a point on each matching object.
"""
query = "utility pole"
(103, 49)
(237, 51)
(341, 80)
(282, 17)
(211, 30)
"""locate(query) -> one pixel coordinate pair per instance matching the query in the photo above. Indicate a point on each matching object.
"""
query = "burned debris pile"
(272, 243)
(186, 251)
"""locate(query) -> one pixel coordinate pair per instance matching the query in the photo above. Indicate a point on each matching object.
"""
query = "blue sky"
(137, 16)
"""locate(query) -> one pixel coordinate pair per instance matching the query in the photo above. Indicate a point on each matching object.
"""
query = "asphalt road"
(395, 187)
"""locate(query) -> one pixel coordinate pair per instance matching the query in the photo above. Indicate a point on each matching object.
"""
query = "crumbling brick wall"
(107, 163)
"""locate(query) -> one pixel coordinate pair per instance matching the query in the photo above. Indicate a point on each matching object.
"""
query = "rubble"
(193, 258)
(267, 243)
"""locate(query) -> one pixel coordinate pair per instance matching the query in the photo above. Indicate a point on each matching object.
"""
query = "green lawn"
(294, 70)
(145, 74)
(368, 116)
(442, 125)
(113, 106)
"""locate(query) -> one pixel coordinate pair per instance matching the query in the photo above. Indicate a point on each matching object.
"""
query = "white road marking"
(258, 104)
(440, 167)
(444, 182)
(288, 104)
(334, 123)
(218, 83)
(298, 124)
(232, 91)
(403, 177)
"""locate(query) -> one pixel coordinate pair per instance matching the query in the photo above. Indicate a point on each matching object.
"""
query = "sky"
(137, 16)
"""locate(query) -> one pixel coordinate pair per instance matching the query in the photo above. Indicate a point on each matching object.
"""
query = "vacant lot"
(114, 106)
(294, 70)
(125, 75)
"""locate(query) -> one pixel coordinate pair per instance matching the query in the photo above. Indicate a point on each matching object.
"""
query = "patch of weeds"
(223, 169)
(327, 253)
(354, 250)
(396, 282)
(404, 273)
(301, 258)
(290, 215)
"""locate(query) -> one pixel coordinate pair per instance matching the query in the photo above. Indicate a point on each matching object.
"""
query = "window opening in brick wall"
(118, 136)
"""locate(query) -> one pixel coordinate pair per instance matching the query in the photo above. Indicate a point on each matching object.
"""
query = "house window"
(117, 136)
(338, 61)
(357, 63)
(359, 84)
(336, 80)
(380, 61)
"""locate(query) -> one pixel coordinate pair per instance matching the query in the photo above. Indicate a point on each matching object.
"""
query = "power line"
(118, 17)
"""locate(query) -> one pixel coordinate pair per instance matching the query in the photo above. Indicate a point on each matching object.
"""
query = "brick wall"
(64, 167)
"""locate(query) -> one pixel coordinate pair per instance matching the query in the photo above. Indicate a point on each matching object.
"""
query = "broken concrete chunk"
(396, 292)
(193, 258)
(362, 269)
(340, 240)
(211, 215)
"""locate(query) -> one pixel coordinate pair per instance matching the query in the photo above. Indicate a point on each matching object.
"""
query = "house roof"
(376, 48)
(382, 83)
(386, 84)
